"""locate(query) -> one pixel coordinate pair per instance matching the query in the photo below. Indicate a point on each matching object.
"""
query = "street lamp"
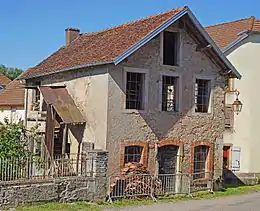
(237, 104)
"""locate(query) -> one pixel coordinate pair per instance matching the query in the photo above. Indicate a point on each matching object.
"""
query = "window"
(133, 154)
(134, 90)
(169, 93)
(200, 161)
(170, 48)
(202, 95)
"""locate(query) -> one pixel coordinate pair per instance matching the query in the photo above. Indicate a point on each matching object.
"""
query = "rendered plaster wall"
(152, 124)
(245, 134)
(88, 88)
(14, 115)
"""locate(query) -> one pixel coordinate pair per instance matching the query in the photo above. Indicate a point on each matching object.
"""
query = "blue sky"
(33, 29)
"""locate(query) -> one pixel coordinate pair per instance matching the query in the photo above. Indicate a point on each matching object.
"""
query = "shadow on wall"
(231, 179)
(78, 132)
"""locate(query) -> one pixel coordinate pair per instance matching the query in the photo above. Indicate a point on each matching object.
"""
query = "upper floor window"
(170, 48)
(36, 97)
(133, 154)
(202, 95)
(135, 90)
(200, 161)
(169, 93)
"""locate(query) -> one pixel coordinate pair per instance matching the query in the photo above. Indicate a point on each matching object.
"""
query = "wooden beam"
(64, 139)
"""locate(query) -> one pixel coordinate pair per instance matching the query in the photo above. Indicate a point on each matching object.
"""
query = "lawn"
(127, 202)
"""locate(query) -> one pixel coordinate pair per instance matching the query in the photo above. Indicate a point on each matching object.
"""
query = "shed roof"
(62, 102)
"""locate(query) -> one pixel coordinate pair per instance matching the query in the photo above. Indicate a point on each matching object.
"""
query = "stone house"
(240, 42)
(148, 91)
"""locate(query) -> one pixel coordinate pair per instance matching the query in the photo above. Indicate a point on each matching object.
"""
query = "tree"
(10, 72)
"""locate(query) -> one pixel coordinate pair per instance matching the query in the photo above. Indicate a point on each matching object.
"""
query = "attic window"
(170, 48)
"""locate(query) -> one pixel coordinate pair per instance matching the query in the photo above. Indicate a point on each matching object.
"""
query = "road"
(248, 202)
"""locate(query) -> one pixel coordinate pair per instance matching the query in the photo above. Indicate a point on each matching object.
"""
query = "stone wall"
(91, 188)
(152, 124)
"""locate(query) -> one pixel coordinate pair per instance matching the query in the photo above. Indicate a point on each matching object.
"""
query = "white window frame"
(179, 90)
(211, 102)
(145, 87)
(180, 45)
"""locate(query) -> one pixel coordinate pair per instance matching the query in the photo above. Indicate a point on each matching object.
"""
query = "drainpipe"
(25, 107)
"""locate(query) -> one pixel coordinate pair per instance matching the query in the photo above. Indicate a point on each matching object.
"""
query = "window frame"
(210, 78)
(144, 156)
(209, 161)
(179, 44)
(178, 99)
(144, 88)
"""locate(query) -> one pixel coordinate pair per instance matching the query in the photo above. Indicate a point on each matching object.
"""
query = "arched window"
(200, 161)
(133, 154)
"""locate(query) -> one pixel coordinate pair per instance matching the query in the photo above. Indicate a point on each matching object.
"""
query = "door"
(167, 159)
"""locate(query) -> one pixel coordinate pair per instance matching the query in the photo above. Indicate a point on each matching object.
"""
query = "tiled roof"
(13, 94)
(225, 33)
(102, 46)
(4, 80)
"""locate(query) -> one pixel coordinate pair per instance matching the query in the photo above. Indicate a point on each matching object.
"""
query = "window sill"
(133, 111)
(170, 67)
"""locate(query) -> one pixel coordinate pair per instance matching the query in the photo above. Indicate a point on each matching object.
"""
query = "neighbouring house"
(12, 102)
(4, 81)
(240, 42)
(149, 91)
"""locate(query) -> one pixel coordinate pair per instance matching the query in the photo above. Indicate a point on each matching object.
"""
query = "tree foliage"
(15, 140)
(10, 72)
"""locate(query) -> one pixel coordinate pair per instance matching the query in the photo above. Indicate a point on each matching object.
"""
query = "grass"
(127, 202)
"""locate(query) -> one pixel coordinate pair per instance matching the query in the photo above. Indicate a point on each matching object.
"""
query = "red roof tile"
(100, 46)
(225, 33)
(13, 94)
(4, 80)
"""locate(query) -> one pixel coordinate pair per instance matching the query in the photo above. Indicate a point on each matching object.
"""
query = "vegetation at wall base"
(137, 202)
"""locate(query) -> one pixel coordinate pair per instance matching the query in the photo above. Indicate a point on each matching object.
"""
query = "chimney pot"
(71, 34)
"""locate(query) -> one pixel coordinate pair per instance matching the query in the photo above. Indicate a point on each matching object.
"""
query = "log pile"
(135, 180)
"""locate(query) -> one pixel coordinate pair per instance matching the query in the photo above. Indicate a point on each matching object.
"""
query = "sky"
(31, 30)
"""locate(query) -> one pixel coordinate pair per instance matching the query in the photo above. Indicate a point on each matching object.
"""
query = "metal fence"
(34, 167)
(136, 185)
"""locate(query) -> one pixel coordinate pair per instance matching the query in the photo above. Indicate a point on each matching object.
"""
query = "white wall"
(246, 58)
(15, 116)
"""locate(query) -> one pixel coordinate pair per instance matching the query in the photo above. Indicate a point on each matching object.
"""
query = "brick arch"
(210, 154)
(169, 142)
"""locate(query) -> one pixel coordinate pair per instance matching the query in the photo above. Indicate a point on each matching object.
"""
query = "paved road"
(249, 202)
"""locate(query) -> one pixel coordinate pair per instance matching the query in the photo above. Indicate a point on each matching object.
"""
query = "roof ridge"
(218, 24)
(133, 22)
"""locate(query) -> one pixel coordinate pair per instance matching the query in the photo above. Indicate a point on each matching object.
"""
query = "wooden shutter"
(228, 117)
(235, 164)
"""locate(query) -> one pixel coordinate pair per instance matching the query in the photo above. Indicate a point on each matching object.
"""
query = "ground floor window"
(133, 154)
(200, 161)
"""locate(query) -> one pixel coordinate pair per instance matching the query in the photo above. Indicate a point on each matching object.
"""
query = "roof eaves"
(150, 36)
(235, 42)
(215, 47)
(66, 69)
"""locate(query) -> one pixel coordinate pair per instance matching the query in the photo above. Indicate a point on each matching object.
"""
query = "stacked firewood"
(135, 180)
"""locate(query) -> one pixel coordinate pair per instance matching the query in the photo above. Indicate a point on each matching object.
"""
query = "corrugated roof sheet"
(63, 103)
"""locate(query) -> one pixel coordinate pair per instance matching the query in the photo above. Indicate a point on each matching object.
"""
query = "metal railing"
(33, 167)
(136, 185)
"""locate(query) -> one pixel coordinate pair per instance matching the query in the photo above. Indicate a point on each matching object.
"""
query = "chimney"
(71, 34)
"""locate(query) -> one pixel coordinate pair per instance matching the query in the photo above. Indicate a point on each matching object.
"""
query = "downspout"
(25, 107)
